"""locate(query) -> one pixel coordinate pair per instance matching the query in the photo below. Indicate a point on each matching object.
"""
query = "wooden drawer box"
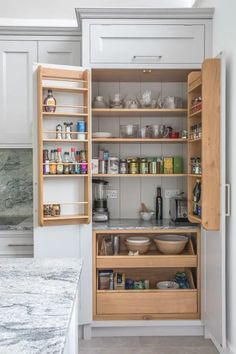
(147, 302)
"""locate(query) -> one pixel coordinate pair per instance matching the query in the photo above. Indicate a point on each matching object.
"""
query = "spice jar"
(133, 166)
(47, 210)
(143, 166)
(152, 166)
(123, 168)
(56, 210)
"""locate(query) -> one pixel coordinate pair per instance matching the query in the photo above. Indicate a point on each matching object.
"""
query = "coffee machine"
(100, 209)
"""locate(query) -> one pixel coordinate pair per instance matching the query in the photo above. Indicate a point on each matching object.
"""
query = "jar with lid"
(143, 166)
(123, 168)
(133, 166)
(152, 166)
(198, 166)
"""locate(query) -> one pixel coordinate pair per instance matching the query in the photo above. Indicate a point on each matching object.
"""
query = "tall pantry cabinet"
(166, 44)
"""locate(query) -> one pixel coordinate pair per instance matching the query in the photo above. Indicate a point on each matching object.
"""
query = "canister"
(94, 166)
(113, 165)
(56, 210)
(143, 167)
(123, 166)
(152, 166)
(133, 166)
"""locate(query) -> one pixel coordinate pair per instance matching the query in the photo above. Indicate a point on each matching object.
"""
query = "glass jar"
(123, 168)
(133, 166)
(152, 166)
(143, 166)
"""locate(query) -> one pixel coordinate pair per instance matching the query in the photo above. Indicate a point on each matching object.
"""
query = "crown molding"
(142, 13)
(39, 31)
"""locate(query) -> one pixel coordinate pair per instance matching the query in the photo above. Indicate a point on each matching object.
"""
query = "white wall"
(224, 32)
(66, 9)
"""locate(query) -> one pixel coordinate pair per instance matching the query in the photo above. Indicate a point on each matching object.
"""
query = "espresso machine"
(100, 209)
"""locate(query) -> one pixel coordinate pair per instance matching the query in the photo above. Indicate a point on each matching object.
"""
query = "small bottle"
(53, 166)
(46, 163)
(77, 158)
(50, 102)
(159, 212)
(66, 163)
(72, 161)
(59, 162)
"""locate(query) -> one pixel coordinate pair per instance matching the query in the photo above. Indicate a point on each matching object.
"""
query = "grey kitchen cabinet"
(147, 43)
(16, 244)
(59, 52)
(16, 101)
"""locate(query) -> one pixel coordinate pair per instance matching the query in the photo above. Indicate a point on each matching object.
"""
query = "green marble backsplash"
(16, 182)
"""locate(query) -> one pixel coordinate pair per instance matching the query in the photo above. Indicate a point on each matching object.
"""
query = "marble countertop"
(128, 224)
(36, 303)
(16, 223)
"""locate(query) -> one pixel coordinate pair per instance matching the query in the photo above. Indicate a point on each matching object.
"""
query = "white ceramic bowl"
(165, 285)
(170, 244)
(146, 215)
(102, 135)
(139, 240)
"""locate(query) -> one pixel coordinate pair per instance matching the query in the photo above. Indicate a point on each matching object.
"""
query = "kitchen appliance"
(178, 209)
(100, 209)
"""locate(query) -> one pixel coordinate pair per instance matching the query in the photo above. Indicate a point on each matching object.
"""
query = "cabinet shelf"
(65, 176)
(195, 114)
(194, 175)
(63, 114)
(65, 89)
(194, 140)
(65, 141)
(66, 219)
(140, 175)
(138, 140)
(107, 112)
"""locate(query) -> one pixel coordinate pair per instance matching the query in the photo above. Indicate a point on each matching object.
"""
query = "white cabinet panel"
(16, 63)
(14, 244)
(146, 44)
(59, 52)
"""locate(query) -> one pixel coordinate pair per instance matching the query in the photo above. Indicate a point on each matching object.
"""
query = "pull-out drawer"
(147, 302)
(147, 44)
(15, 245)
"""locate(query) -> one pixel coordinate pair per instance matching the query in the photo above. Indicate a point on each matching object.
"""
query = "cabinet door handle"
(141, 58)
(228, 199)
(19, 245)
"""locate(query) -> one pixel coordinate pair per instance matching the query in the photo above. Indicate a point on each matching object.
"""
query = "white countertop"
(36, 302)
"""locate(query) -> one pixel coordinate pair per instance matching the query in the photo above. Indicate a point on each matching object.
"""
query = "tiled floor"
(147, 345)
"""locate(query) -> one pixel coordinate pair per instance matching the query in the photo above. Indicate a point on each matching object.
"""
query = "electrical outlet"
(112, 194)
(169, 193)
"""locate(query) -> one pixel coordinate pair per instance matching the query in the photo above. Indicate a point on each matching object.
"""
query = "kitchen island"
(38, 302)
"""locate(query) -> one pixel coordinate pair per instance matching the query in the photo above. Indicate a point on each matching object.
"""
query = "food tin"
(94, 166)
(113, 165)
(152, 166)
(168, 165)
(102, 166)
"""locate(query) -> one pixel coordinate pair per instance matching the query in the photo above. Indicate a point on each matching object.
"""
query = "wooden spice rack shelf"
(139, 140)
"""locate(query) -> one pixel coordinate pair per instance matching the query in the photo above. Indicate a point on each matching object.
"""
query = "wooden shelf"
(194, 218)
(194, 175)
(65, 89)
(140, 175)
(65, 140)
(64, 114)
(138, 140)
(65, 220)
(65, 176)
(195, 84)
(107, 112)
(195, 114)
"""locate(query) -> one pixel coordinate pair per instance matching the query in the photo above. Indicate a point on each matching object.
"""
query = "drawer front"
(16, 245)
(163, 302)
(147, 44)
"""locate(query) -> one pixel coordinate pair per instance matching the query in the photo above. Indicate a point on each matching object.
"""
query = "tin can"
(84, 168)
(59, 131)
(101, 166)
(133, 166)
(152, 166)
(123, 168)
(113, 165)
(143, 166)
(81, 126)
(146, 284)
(56, 210)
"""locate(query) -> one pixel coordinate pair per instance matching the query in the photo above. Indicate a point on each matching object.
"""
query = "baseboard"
(146, 328)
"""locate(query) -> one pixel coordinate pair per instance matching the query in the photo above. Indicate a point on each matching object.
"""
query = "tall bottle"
(73, 162)
(196, 198)
(66, 161)
(50, 102)
(53, 166)
(59, 162)
(159, 207)
(46, 163)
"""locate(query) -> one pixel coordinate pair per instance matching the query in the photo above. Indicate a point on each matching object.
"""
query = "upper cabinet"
(16, 101)
(145, 38)
(59, 52)
(146, 44)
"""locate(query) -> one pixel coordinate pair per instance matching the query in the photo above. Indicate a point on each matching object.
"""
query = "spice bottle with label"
(46, 163)
(159, 207)
(59, 162)
(72, 161)
(53, 166)
(50, 102)
(66, 163)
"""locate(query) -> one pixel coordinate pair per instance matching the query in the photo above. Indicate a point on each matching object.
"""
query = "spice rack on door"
(66, 82)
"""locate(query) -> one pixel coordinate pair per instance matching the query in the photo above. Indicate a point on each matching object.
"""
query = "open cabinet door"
(213, 297)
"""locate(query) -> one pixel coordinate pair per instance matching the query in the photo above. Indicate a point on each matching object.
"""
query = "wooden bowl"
(140, 247)
(171, 244)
